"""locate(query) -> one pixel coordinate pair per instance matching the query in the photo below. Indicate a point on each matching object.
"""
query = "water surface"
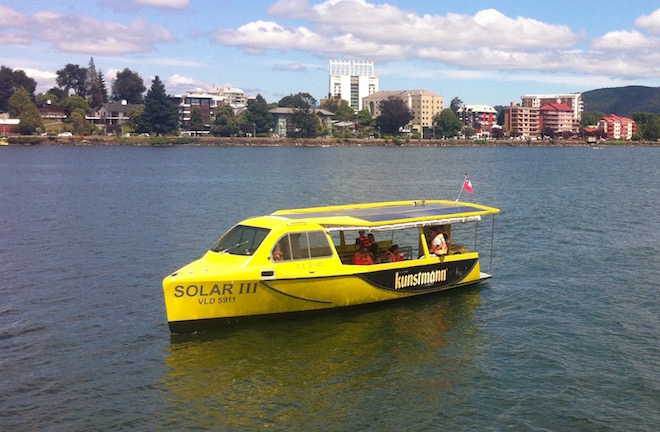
(566, 335)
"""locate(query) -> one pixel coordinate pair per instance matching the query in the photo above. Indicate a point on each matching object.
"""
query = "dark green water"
(566, 336)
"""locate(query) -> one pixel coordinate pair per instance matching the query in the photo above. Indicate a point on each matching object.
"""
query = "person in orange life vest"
(392, 254)
(362, 240)
(438, 243)
(362, 256)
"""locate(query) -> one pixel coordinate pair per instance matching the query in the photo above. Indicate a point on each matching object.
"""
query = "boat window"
(318, 244)
(304, 245)
(241, 240)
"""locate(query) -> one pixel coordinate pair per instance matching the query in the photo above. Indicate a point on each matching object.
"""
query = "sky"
(482, 52)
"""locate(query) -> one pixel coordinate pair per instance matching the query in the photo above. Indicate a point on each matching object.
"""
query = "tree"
(497, 132)
(651, 130)
(394, 114)
(500, 114)
(302, 101)
(93, 85)
(45, 97)
(468, 132)
(447, 124)
(80, 125)
(365, 118)
(306, 123)
(643, 119)
(257, 114)
(224, 123)
(22, 107)
(135, 121)
(104, 88)
(59, 93)
(160, 115)
(73, 103)
(590, 118)
(455, 104)
(72, 77)
(128, 86)
(304, 120)
(196, 119)
(12, 80)
(341, 109)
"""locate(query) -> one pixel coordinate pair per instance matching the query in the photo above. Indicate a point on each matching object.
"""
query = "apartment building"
(207, 102)
(481, 118)
(557, 118)
(424, 105)
(352, 80)
(521, 121)
(573, 100)
(616, 127)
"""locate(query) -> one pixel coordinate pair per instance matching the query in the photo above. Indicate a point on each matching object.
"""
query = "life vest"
(365, 241)
(392, 257)
(359, 259)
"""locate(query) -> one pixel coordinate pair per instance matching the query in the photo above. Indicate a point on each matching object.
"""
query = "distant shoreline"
(302, 142)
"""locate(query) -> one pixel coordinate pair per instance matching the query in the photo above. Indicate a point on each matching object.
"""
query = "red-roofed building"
(51, 111)
(556, 119)
(615, 127)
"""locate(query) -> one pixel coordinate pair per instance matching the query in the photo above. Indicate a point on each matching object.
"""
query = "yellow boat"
(301, 260)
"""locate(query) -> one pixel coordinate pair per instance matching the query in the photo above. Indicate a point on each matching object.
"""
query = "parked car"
(65, 134)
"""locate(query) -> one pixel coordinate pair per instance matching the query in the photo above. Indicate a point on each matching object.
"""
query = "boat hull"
(193, 303)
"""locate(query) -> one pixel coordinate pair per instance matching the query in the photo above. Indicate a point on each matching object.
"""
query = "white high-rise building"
(573, 100)
(352, 80)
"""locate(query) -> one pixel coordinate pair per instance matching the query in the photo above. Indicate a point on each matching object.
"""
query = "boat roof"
(387, 215)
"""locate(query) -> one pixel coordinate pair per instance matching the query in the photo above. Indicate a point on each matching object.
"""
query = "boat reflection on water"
(327, 371)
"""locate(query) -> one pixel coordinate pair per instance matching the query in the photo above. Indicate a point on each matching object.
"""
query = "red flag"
(467, 185)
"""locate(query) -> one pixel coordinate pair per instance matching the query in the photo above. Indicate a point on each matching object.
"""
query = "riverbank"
(299, 142)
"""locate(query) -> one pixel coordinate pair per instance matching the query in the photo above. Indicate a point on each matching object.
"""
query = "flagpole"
(462, 187)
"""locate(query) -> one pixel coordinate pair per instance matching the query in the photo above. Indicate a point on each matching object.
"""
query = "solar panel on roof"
(394, 212)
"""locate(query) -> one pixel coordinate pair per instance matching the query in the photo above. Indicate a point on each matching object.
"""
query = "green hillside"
(623, 101)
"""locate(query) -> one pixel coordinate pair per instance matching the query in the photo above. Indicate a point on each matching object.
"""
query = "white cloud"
(291, 67)
(45, 79)
(178, 82)
(7, 38)
(258, 36)
(131, 6)
(11, 18)
(171, 4)
(80, 34)
(650, 22)
(11, 24)
(86, 35)
(486, 40)
(388, 24)
(624, 41)
(356, 28)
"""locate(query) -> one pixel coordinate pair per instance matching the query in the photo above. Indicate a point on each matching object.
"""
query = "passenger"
(438, 243)
(443, 230)
(362, 240)
(393, 254)
(374, 249)
(362, 256)
(277, 253)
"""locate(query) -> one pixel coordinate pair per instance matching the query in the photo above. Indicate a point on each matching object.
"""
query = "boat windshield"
(241, 240)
